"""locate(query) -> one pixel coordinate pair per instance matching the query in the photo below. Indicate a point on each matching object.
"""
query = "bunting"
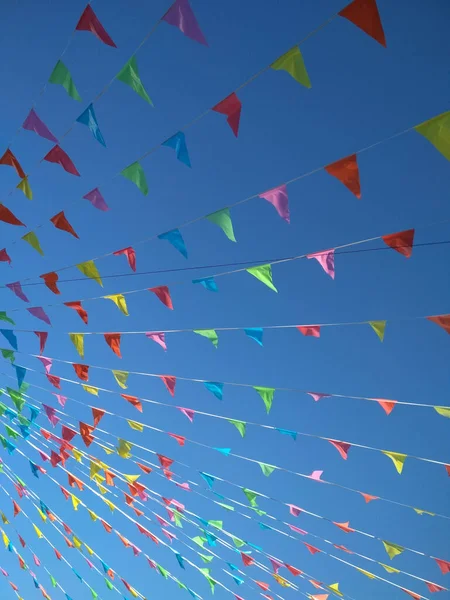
(61, 76)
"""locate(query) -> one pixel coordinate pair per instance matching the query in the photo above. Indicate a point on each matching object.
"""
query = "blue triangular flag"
(78, 575)
(238, 580)
(293, 434)
(263, 526)
(211, 539)
(179, 559)
(208, 478)
(224, 451)
(44, 507)
(9, 335)
(10, 414)
(193, 594)
(215, 387)
(36, 583)
(219, 495)
(20, 373)
(233, 567)
(208, 283)
(69, 598)
(255, 547)
(34, 469)
(175, 238)
(88, 118)
(10, 547)
(34, 412)
(256, 333)
(105, 566)
(178, 143)
(9, 446)
(24, 431)
(203, 521)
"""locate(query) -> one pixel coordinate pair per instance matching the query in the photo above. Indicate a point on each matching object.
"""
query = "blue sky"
(361, 93)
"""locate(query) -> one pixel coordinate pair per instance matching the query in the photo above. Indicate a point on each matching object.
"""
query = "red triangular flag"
(444, 565)
(10, 160)
(441, 320)
(106, 525)
(55, 459)
(89, 22)
(8, 217)
(179, 438)
(165, 461)
(66, 495)
(22, 541)
(50, 280)
(341, 447)
(85, 432)
(169, 382)
(82, 371)
(231, 106)
(293, 570)
(58, 554)
(386, 405)
(402, 241)
(67, 434)
(344, 526)
(144, 468)
(163, 293)
(368, 497)
(364, 14)
(42, 335)
(447, 468)
(109, 478)
(60, 222)
(346, 170)
(113, 341)
(59, 157)
(246, 559)
(312, 549)
(17, 508)
(76, 305)
(54, 380)
(4, 256)
(130, 254)
(133, 400)
(412, 594)
(433, 587)
(264, 586)
(74, 481)
(309, 330)
(98, 414)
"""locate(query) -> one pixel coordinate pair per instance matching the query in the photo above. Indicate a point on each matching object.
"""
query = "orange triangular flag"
(144, 468)
(50, 280)
(346, 170)
(133, 400)
(113, 341)
(17, 508)
(60, 222)
(441, 320)
(368, 497)
(402, 241)
(82, 371)
(386, 405)
(364, 14)
(97, 413)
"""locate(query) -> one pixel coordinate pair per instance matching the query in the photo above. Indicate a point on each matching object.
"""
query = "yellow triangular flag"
(366, 573)
(106, 449)
(76, 542)
(389, 569)
(131, 478)
(5, 539)
(5, 519)
(32, 239)
(90, 389)
(121, 378)
(393, 550)
(378, 327)
(109, 504)
(94, 468)
(89, 269)
(92, 515)
(25, 187)
(98, 478)
(90, 551)
(397, 458)
(419, 511)
(444, 411)
(133, 592)
(102, 489)
(281, 580)
(77, 340)
(77, 455)
(335, 588)
(38, 531)
(42, 515)
(75, 501)
(120, 302)
(135, 425)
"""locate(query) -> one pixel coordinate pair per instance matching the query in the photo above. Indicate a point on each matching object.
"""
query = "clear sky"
(361, 94)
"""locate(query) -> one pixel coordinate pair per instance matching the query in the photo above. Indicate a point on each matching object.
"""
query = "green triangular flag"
(94, 593)
(199, 540)
(392, 549)
(32, 239)
(437, 132)
(210, 334)
(11, 432)
(77, 340)
(4, 317)
(109, 585)
(222, 218)
(238, 542)
(2, 409)
(25, 187)
(225, 506)
(177, 519)
(205, 558)
(163, 571)
(61, 76)
(136, 174)
(240, 426)
(378, 327)
(266, 394)
(251, 496)
(264, 274)
(16, 397)
(292, 62)
(261, 513)
(23, 420)
(53, 580)
(121, 378)
(216, 524)
(89, 269)
(130, 75)
(267, 469)
(8, 354)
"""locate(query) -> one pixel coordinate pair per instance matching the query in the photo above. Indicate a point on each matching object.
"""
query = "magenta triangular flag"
(34, 123)
(180, 15)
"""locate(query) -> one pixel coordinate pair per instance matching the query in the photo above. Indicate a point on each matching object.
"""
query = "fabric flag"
(222, 218)
(39, 313)
(42, 335)
(90, 270)
(89, 119)
(82, 371)
(113, 341)
(130, 76)
(292, 434)
(76, 305)
(34, 123)
(379, 328)
(162, 292)
(310, 331)
(157, 337)
(215, 387)
(16, 288)
(32, 239)
(266, 395)
(231, 106)
(386, 405)
(24, 186)
(397, 458)
(170, 382)
(393, 550)
(278, 197)
(326, 261)
(133, 401)
(121, 378)
(7, 216)
(60, 222)
(175, 238)
(10, 160)
(96, 199)
(437, 132)
(61, 76)
(77, 340)
(10, 336)
(255, 333)
(180, 15)
(120, 302)
(89, 22)
(341, 447)
(441, 320)
(402, 241)
(130, 256)
(59, 157)
(346, 170)
(208, 283)
(178, 143)
(210, 334)
(51, 414)
(292, 62)
(267, 469)
(364, 14)
(4, 256)
(50, 280)
(264, 274)
(188, 412)
(136, 174)
(240, 426)
(20, 373)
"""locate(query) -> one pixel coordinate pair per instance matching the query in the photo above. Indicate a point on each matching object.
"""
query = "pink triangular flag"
(341, 447)
(130, 255)
(180, 15)
(188, 412)
(316, 475)
(59, 157)
(309, 330)
(170, 382)
(16, 288)
(184, 486)
(297, 529)
(159, 338)
(96, 199)
(326, 261)
(276, 564)
(278, 197)
(294, 510)
(51, 414)
(317, 396)
(61, 399)
(169, 535)
(46, 362)
(34, 123)
(39, 313)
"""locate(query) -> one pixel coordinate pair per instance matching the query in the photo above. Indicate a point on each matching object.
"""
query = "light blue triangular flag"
(225, 451)
(233, 567)
(210, 538)
(208, 283)
(88, 118)
(9, 446)
(34, 469)
(9, 335)
(256, 333)
(208, 478)
(255, 547)
(179, 559)
(238, 580)
(178, 143)
(24, 431)
(20, 373)
(34, 412)
(215, 387)
(175, 238)
(203, 521)
(293, 434)
(263, 526)
(78, 575)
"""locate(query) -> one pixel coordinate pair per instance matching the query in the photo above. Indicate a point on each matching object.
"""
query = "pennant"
(130, 255)
(135, 173)
(210, 334)
(386, 405)
(123, 449)
(379, 328)
(264, 274)
(310, 331)
(344, 526)
(393, 550)
(326, 261)
(240, 426)
(267, 469)
(341, 447)
(82, 371)
(60, 222)
(266, 395)
(401, 241)
(444, 411)
(3, 315)
(292, 62)
(76, 305)
(59, 157)
(180, 15)
(441, 320)
(175, 238)
(120, 302)
(54, 380)
(24, 186)
(85, 432)
(20, 373)
(89, 22)
(96, 199)
(444, 565)
(231, 106)
(187, 412)
(208, 283)
(8, 159)
(335, 588)
(346, 170)
(121, 378)
(61, 76)
(437, 132)
(10, 337)
(170, 382)
(51, 414)
(368, 497)
(113, 341)
(97, 414)
(7, 216)
(34, 123)
(4, 256)
(215, 387)
(364, 14)
(165, 462)
(397, 458)
(255, 333)
(133, 400)
(90, 270)
(159, 338)
(39, 313)
(130, 76)
(178, 143)
(162, 292)
(222, 219)
(50, 280)
(31, 238)
(135, 425)
(77, 340)
(292, 434)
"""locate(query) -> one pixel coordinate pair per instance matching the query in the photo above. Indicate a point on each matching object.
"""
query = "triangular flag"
(266, 469)
(89, 22)
(264, 274)
(255, 333)
(292, 62)
(335, 588)
(59, 157)
(121, 378)
(97, 414)
(310, 331)
(386, 405)
(240, 426)
(82, 371)
(90, 270)
(130, 76)
(7, 216)
(4, 257)
(393, 550)
(120, 302)
(32, 239)
(402, 241)
(61, 76)
(178, 143)
(77, 340)
(346, 170)
(341, 447)
(222, 219)
(180, 15)
(444, 565)
(133, 401)
(326, 261)
(96, 199)
(444, 411)
(379, 328)
(364, 14)
(208, 283)
(210, 334)
(158, 337)
(230, 106)
(113, 341)
(130, 254)
(24, 186)
(76, 305)
(441, 320)
(135, 173)
(9, 335)
(8, 159)
(50, 280)
(188, 412)
(397, 458)
(437, 132)
(278, 197)
(215, 387)
(135, 425)
(175, 238)
(60, 222)
(162, 292)
(34, 123)
(266, 394)
(170, 382)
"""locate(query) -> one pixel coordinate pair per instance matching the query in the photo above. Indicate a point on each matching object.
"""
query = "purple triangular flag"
(39, 313)
(96, 199)
(180, 15)
(34, 123)
(278, 197)
(51, 414)
(46, 363)
(17, 289)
